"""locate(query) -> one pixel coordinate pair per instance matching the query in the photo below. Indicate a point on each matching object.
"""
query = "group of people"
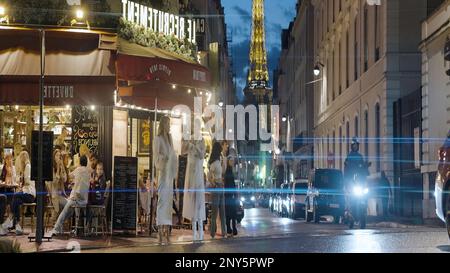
(82, 184)
(220, 181)
(16, 188)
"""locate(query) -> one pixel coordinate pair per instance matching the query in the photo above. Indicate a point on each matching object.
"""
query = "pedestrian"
(194, 187)
(78, 196)
(217, 185)
(165, 160)
(384, 192)
(25, 194)
(230, 197)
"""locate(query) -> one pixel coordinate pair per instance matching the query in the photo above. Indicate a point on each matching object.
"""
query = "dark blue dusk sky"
(238, 18)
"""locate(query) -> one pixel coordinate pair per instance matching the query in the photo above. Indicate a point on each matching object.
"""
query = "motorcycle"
(358, 202)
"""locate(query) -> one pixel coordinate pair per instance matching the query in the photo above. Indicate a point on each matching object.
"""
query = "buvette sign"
(159, 21)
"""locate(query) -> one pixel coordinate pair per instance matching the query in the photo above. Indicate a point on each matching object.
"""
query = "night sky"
(238, 18)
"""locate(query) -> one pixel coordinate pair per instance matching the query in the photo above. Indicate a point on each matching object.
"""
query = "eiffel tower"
(258, 92)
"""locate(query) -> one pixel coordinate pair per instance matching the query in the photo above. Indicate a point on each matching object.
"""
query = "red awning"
(58, 91)
(145, 95)
(178, 72)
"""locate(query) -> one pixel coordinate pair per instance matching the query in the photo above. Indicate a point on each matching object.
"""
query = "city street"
(262, 232)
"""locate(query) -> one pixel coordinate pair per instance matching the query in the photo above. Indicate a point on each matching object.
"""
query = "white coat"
(194, 184)
(166, 164)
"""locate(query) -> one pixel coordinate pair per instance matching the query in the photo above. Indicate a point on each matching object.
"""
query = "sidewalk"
(68, 243)
(403, 222)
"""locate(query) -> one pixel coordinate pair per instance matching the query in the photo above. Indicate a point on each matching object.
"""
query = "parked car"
(297, 198)
(325, 195)
(283, 201)
(442, 187)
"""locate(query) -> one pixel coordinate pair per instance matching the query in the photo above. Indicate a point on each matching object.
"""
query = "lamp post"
(40, 184)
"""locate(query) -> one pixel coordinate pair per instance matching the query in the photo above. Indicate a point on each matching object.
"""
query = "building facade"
(369, 58)
(295, 89)
(435, 97)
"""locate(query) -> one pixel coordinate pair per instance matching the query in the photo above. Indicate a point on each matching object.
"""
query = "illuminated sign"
(159, 21)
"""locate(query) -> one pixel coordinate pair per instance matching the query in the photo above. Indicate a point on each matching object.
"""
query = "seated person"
(97, 186)
(78, 196)
(2, 214)
(26, 193)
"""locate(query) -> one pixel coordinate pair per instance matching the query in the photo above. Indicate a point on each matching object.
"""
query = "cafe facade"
(102, 88)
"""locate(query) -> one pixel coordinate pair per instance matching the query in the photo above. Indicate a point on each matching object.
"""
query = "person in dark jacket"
(230, 198)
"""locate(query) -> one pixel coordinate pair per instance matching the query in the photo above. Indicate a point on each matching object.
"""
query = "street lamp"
(317, 69)
(80, 18)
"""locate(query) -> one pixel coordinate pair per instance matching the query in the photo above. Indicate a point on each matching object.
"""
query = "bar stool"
(98, 216)
(80, 216)
(48, 214)
(24, 208)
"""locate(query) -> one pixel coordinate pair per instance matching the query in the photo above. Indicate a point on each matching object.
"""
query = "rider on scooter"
(354, 168)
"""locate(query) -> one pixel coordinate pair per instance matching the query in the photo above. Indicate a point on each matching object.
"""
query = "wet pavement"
(262, 232)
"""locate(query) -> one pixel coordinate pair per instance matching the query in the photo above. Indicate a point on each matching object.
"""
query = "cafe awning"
(156, 94)
(58, 90)
(77, 70)
(152, 73)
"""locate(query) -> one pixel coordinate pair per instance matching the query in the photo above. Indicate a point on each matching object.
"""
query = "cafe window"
(17, 123)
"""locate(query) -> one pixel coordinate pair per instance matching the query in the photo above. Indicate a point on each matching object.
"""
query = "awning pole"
(150, 155)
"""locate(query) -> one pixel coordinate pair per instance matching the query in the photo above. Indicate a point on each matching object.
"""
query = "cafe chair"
(80, 221)
(98, 219)
(23, 208)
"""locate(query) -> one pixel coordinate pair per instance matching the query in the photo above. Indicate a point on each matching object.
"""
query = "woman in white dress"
(165, 161)
(194, 187)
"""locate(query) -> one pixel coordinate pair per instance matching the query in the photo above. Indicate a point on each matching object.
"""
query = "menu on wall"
(125, 194)
(84, 128)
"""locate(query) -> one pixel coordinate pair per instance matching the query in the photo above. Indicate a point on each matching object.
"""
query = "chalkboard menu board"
(125, 194)
(84, 128)
(182, 165)
(47, 151)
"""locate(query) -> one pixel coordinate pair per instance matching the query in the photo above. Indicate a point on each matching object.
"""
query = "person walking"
(217, 185)
(194, 187)
(165, 160)
(230, 197)
(384, 193)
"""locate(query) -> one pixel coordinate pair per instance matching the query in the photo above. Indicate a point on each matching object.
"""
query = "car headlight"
(253, 198)
(360, 191)
(243, 199)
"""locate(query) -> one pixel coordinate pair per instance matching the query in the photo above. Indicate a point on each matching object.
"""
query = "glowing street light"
(317, 69)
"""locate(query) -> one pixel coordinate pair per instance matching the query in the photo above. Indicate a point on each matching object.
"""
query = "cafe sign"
(159, 21)
(58, 91)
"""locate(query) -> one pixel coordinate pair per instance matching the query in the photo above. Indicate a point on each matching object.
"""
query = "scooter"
(357, 211)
